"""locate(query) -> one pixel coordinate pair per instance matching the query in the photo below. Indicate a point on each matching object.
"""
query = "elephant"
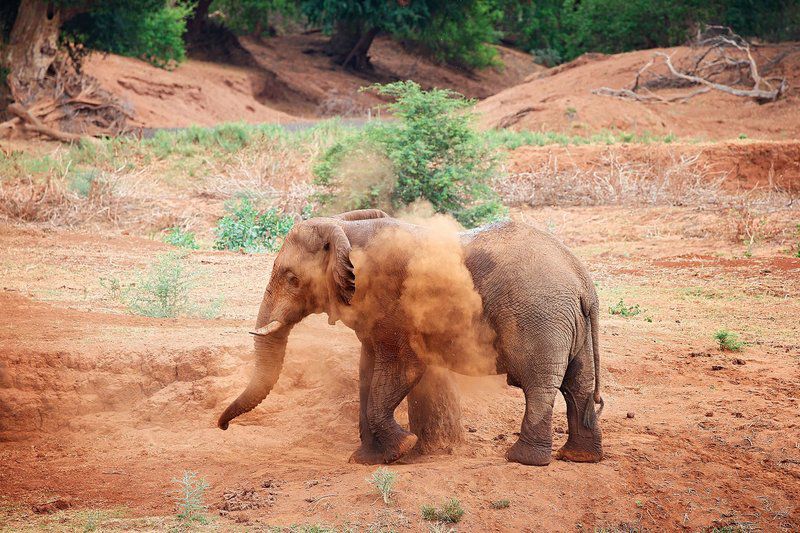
(536, 322)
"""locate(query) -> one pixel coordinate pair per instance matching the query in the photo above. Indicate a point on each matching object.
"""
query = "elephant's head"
(311, 274)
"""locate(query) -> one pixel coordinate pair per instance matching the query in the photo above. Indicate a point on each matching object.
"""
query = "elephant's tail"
(590, 416)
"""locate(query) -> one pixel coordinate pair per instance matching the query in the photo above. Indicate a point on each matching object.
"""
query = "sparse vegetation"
(449, 512)
(728, 341)
(383, 480)
(177, 236)
(500, 504)
(625, 311)
(164, 290)
(190, 498)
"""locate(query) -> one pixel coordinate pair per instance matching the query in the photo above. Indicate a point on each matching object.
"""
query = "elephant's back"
(513, 260)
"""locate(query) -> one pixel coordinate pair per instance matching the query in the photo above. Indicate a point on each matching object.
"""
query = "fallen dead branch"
(714, 60)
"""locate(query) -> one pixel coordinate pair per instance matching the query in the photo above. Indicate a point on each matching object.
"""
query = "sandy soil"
(104, 409)
(560, 99)
(290, 79)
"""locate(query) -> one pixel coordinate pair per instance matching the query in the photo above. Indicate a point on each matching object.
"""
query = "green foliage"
(81, 180)
(190, 498)
(247, 229)
(253, 16)
(500, 504)
(455, 32)
(625, 311)
(383, 480)
(797, 246)
(434, 153)
(449, 512)
(728, 341)
(149, 29)
(514, 139)
(556, 30)
(177, 236)
(460, 36)
(163, 291)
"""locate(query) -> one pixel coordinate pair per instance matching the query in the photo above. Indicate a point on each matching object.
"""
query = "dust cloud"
(418, 273)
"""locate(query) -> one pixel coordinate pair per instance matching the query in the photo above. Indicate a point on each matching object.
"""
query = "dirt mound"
(283, 79)
(195, 93)
(561, 99)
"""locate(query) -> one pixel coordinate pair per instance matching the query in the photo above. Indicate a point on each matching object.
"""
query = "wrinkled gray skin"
(537, 297)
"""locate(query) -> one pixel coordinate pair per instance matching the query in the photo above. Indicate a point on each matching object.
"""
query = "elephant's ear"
(340, 268)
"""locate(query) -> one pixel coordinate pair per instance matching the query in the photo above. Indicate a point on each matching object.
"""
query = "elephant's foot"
(367, 455)
(580, 453)
(526, 454)
(400, 446)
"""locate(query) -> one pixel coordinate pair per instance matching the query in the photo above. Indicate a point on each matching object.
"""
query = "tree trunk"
(194, 26)
(32, 45)
(350, 43)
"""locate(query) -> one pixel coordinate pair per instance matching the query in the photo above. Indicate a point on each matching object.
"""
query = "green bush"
(500, 504)
(149, 29)
(247, 229)
(162, 291)
(383, 480)
(450, 512)
(177, 236)
(433, 151)
(728, 341)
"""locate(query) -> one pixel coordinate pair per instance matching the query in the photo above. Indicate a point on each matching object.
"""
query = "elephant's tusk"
(272, 327)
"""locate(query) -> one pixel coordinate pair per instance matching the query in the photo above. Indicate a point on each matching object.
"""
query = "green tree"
(252, 17)
(354, 24)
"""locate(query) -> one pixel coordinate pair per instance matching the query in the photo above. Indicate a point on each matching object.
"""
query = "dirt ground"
(101, 410)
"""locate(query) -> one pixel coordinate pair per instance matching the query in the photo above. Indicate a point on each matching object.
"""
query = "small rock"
(738, 361)
(738, 415)
(630, 414)
(717, 367)
(559, 429)
(471, 429)
(710, 413)
(59, 504)
(501, 436)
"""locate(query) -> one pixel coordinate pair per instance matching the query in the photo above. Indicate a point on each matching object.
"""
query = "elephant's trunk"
(269, 350)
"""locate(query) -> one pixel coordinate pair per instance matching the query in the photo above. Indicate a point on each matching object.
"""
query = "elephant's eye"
(292, 279)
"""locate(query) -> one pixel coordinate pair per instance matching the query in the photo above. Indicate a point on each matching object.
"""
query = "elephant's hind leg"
(538, 369)
(585, 441)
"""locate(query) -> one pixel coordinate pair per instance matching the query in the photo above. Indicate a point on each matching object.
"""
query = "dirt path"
(106, 408)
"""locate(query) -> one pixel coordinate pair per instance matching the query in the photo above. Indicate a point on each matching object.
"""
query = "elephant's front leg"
(397, 369)
(370, 452)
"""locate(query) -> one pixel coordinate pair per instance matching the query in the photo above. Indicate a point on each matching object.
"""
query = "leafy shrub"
(728, 341)
(450, 511)
(500, 504)
(80, 181)
(150, 29)
(177, 236)
(623, 310)
(246, 228)
(190, 498)
(383, 479)
(162, 291)
(434, 153)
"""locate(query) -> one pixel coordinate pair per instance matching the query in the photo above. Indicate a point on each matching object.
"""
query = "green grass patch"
(181, 238)
(625, 311)
(245, 228)
(511, 140)
(500, 504)
(728, 341)
(449, 512)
